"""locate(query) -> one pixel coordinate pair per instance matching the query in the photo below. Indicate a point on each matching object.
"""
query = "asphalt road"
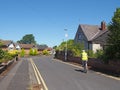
(57, 76)
(61, 76)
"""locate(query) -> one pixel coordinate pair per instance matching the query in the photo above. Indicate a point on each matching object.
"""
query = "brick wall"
(113, 67)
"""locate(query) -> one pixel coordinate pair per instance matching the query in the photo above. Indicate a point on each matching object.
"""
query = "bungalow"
(7, 45)
(27, 47)
(92, 36)
(17, 46)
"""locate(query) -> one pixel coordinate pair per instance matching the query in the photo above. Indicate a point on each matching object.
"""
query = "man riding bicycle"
(84, 60)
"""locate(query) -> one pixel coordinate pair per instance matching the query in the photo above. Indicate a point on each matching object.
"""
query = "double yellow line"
(38, 75)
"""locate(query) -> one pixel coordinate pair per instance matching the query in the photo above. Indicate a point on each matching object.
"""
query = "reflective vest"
(84, 56)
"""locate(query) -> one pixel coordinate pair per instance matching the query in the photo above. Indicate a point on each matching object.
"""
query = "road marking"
(38, 75)
(35, 72)
(116, 78)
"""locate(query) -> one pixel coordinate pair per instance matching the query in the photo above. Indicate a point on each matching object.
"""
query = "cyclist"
(84, 60)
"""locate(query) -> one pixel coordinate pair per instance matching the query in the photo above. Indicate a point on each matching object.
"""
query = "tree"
(54, 47)
(27, 39)
(62, 46)
(75, 48)
(113, 50)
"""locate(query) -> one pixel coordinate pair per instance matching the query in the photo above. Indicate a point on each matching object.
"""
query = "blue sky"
(47, 19)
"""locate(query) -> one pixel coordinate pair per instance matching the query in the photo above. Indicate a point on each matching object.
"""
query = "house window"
(79, 36)
(10, 48)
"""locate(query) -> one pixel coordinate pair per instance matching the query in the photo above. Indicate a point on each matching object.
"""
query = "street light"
(66, 35)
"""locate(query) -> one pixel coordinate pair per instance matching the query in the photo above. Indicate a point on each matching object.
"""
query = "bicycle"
(85, 66)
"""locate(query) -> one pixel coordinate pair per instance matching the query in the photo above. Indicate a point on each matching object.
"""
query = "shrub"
(1, 53)
(76, 52)
(8, 56)
(33, 51)
(91, 54)
(36, 52)
(99, 53)
(22, 53)
(45, 52)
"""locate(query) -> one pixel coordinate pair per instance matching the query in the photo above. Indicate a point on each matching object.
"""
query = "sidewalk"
(17, 78)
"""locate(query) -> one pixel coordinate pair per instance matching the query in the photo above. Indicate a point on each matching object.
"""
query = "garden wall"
(112, 67)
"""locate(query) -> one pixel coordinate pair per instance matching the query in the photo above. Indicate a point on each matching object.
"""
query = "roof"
(49, 48)
(6, 42)
(100, 33)
(26, 46)
(92, 31)
(101, 37)
(42, 47)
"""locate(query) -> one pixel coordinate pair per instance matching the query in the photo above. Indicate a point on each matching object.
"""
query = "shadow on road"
(78, 70)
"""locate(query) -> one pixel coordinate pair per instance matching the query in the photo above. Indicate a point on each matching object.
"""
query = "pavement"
(18, 78)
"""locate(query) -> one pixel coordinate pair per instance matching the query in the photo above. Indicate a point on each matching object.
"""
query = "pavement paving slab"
(17, 78)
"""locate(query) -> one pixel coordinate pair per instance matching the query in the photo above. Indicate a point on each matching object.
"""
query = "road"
(61, 76)
(56, 75)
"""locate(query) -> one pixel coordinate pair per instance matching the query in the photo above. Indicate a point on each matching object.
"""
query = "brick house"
(27, 47)
(92, 36)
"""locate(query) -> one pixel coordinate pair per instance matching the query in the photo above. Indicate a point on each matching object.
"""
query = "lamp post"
(66, 35)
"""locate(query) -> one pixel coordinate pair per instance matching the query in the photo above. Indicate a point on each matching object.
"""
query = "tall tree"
(113, 51)
(27, 39)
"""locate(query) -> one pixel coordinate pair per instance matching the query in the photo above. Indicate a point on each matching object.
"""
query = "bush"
(1, 53)
(76, 52)
(109, 54)
(36, 52)
(99, 54)
(22, 53)
(45, 52)
(91, 54)
(8, 56)
(33, 51)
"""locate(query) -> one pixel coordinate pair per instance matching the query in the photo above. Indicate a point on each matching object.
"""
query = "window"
(79, 36)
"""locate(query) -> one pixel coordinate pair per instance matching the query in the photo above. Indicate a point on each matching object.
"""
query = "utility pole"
(66, 35)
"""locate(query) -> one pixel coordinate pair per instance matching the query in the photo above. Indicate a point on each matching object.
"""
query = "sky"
(50, 20)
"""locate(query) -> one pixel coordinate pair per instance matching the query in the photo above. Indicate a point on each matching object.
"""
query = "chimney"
(103, 25)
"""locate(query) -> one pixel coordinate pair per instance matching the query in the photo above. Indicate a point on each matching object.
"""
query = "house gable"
(18, 47)
(92, 36)
(7, 44)
(81, 37)
(11, 47)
